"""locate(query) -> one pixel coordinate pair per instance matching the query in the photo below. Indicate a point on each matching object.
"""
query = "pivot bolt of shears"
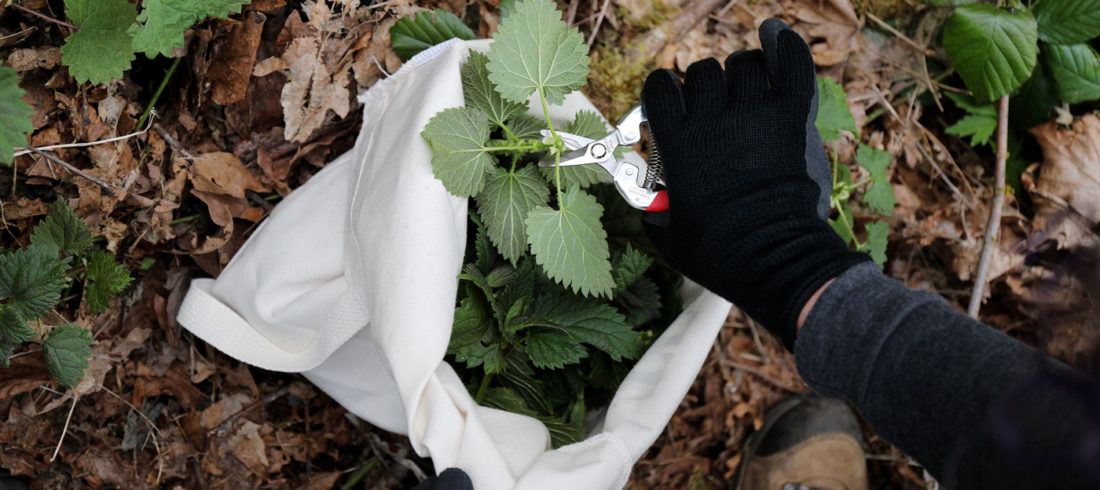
(599, 150)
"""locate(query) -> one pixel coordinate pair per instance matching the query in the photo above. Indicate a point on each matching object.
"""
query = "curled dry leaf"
(1069, 181)
(234, 57)
(222, 173)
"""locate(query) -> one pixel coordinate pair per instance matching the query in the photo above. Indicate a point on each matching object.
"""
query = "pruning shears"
(636, 181)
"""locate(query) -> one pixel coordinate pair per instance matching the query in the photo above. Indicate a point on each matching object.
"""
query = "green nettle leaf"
(63, 230)
(480, 94)
(630, 267)
(15, 115)
(1068, 21)
(100, 51)
(526, 127)
(67, 349)
(420, 31)
(877, 234)
(533, 50)
(641, 301)
(504, 204)
(993, 49)
(880, 196)
(505, 399)
(1076, 70)
(31, 280)
(471, 321)
(552, 349)
(571, 245)
(590, 125)
(500, 276)
(833, 115)
(105, 278)
(589, 321)
(13, 328)
(160, 26)
(587, 124)
(459, 157)
(477, 354)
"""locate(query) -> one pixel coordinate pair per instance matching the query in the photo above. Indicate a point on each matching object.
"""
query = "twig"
(173, 143)
(65, 430)
(905, 39)
(107, 187)
(749, 369)
(26, 150)
(571, 14)
(994, 225)
(153, 430)
(599, 22)
(4, 3)
(756, 340)
(264, 401)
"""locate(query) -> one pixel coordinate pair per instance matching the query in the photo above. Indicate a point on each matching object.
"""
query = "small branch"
(95, 180)
(599, 22)
(65, 430)
(905, 39)
(173, 143)
(4, 3)
(20, 151)
(229, 421)
(752, 370)
(993, 227)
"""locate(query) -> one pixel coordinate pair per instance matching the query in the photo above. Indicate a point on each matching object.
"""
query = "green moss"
(658, 13)
(615, 81)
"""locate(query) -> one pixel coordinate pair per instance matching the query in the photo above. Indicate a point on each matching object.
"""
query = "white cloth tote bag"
(352, 282)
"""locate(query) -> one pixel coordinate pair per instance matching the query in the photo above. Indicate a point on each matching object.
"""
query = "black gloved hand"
(748, 180)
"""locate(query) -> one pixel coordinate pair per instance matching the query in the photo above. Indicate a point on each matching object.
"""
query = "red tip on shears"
(659, 204)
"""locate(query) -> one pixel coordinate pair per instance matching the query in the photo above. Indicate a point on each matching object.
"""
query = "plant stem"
(481, 389)
(4, 3)
(360, 474)
(160, 89)
(557, 145)
(992, 228)
(528, 147)
(852, 232)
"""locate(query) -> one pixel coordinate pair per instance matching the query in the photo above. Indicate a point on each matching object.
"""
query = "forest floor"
(242, 122)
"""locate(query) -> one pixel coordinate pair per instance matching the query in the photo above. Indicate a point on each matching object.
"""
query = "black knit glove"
(748, 180)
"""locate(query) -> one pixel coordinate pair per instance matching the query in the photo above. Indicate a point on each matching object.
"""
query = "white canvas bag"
(352, 282)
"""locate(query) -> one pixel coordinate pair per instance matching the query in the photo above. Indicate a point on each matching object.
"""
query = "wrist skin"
(810, 304)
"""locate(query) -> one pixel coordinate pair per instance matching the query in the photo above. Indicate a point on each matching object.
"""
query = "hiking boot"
(807, 442)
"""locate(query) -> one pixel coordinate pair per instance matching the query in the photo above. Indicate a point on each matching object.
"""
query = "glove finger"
(790, 64)
(663, 100)
(705, 87)
(746, 73)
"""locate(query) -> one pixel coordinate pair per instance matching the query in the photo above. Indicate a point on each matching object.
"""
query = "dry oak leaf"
(312, 91)
(1068, 176)
(222, 173)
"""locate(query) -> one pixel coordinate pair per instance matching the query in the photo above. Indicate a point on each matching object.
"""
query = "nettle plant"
(548, 314)
(833, 117)
(36, 278)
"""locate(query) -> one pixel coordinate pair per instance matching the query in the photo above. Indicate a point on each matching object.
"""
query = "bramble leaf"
(1068, 21)
(1032, 103)
(100, 51)
(571, 245)
(880, 196)
(833, 115)
(992, 48)
(31, 279)
(105, 278)
(978, 127)
(415, 33)
(534, 49)
(15, 115)
(160, 26)
(459, 157)
(592, 322)
(550, 348)
(67, 349)
(63, 230)
(504, 204)
(1076, 70)
(877, 237)
(480, 94)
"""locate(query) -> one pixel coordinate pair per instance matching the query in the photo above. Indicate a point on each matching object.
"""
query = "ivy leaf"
(62, 230)
(1068, 21)
(67, 349)
(589, 321)
(549, 348)
(415, 33)
(13, 328)
(993, 49)
(533, 50)
(480, 94)
(504, 204)
(105, 278)
(630, 267)
(571, 245)
(877, 235)
(100, 51)
(459, 157)
(160, 26)
(1076, 70)
(31, 279)
(15, 115)
(471, 321)
(833, 115)
(880, 196)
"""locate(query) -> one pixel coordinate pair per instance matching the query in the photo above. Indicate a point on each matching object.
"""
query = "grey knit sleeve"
(969, 403)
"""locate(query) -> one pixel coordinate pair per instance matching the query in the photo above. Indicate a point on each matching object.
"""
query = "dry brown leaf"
(249, 447)
(312, 91)
(233, 58)
(219, 412)
(1069, 176)
(831, 28)
(222, 173)
(25, 374)
(44, 57)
